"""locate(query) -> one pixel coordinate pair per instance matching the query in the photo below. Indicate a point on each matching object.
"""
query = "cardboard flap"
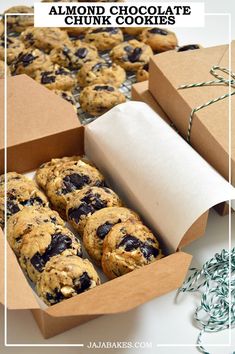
(129, 291)
(154, 170)
(34, 112)
(16, 282)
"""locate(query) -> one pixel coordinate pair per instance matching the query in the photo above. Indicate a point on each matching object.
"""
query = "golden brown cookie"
(57, 78)
(65, 277)
(43, 243)
(26, 220)
(14, 48)
(18, 23)
(2, 70)
(104, 38)
(99, 225)
(21, 192)
(129, 245)
(101, 72)
(73, 55)
(131, 55)
(98, 99)
(43, 171)
(67, 96)
(160, 40)
(69, 177)
(82, 204)
(142, 74)
(29, 61)
(46, 38)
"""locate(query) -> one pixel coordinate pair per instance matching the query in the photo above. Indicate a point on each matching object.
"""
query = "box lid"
(46, 112)
(210, 127)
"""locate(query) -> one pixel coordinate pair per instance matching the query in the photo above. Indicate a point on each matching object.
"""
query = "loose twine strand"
(216, 285)
(220, 80)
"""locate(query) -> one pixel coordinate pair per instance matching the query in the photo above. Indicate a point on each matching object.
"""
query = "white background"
(163, 320)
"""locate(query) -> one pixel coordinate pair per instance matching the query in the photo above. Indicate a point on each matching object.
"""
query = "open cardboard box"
(42, 126)
(140, 92)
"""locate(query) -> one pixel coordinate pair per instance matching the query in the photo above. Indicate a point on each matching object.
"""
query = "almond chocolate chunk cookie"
(44, 170)
(104, 38)
(143, 73)
(98, 99)
(21, 192)
(65, 277)
(73, 55)
(14, 48)
(99, 225)
(69, 177)
(18, 23)
(43, 243)
(29, 61)
(82, 204)
(45, 39)
(101, 72)
(57, 78)
(26, 220)
(128, 246)
(131, 55)
(160, 40)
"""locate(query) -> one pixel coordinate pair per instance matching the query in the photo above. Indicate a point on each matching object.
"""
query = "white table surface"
(162, 320)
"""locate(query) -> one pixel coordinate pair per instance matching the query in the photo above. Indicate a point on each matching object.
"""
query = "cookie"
(128, 246)
(20, 193)
(43, 243)
(82, 204)
(104, 38)
(43, 171)
(45, 39)
(101, 72)
(57, 78)
(99, 225)
(160, 40)
(65, 277)
(142, 74)
(69, 177)
(187, 47)
(75, 31)
(133, 31)
(2, 70)
(29, 61)
(98, 99)
(73, 55)
(26, 220)
(17, 23)
(14, 48)
(68, 96)
(131, 55)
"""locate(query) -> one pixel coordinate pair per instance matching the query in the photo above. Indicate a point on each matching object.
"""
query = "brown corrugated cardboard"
(210, 128)
(52, 130)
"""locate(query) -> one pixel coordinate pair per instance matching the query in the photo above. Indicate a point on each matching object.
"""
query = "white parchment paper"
(154, 170)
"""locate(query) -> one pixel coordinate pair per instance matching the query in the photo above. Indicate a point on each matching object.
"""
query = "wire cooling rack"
(125, 88)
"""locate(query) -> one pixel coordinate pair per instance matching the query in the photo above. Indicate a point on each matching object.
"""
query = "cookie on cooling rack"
(101, 72)
(131, 55)
(18, 23)
(58, 78)
(98, 99)
(104, 38)
(160, 40)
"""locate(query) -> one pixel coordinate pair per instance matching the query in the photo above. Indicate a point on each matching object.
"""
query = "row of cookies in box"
(48, 251)
(112, 234)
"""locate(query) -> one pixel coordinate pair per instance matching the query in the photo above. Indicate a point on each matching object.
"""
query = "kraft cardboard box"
(210, 126)
(42, 126)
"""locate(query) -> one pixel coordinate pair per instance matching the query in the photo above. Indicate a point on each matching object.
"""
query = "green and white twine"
(216, 285)
(220, 80)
